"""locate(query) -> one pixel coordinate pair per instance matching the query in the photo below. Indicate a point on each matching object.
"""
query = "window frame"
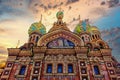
(61, 68)
(21, 69)
(97, 68)
(72, 68)
(47, 71)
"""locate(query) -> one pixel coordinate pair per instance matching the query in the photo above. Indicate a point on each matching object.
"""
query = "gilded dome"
(94, 28)
(37, 27)
(91, 28)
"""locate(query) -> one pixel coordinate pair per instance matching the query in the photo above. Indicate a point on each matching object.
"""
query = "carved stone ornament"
(39, 56)
(60, 57)
(24, 60)
(94, 59)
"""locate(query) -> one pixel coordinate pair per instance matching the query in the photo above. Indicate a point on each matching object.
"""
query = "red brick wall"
(42, 71)
(13, 71)
(28, 72)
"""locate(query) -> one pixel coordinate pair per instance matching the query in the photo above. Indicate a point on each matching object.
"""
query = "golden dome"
(94, 28)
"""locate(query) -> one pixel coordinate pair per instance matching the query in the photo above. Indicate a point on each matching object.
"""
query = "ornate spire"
(60, 14)
(79, 18)
(40, 22)
(40, 19)
(87, 21)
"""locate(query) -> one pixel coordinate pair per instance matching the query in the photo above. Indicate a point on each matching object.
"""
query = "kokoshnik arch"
(62, 54)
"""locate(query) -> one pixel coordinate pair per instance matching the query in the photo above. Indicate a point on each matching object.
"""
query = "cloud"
(112, 36)
(98, 11)
(2, 30)
(12, 10)
(112, 3)
(71, 1)
(3, 49)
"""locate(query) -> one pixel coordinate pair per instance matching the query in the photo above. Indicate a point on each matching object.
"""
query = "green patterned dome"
(81, 27)
(60, 14)
(88, 29)
(78, 29)
(37, 27)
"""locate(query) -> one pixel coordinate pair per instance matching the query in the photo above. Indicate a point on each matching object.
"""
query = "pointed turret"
(35, 31)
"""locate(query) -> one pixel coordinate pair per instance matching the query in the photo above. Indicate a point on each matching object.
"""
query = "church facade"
(61, 54)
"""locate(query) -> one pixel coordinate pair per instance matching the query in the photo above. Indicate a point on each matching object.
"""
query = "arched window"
(60, 22)
(22, 70)
(33, 38)
(96, 70)
(60, 68)
(37, 38)
(60, 43)
(96, 36)
(96, 49)
(89, 45)
(70, 68)
(83, 38)
(101, 45)
(49, 68)
(93, 36)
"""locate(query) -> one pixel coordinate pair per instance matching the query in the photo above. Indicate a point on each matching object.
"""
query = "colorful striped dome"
(37, 27)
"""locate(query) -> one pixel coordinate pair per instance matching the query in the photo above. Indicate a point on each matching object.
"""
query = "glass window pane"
(22, 70)
(49, 68)
(70, 68)
(60, 68)
(96, 70)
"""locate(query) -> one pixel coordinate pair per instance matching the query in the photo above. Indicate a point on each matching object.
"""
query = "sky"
(16, 16)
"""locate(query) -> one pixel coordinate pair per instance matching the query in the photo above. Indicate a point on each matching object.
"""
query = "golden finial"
(40, 22)
(60, 9)
(87, 21)
(40, 19)
(79, 18)
(60, 14)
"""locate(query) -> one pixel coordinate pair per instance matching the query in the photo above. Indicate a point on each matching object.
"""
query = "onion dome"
(94, 28)
(80, 26)
(37, 27)
(60, 14)
(88, 28)
(78, 29)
